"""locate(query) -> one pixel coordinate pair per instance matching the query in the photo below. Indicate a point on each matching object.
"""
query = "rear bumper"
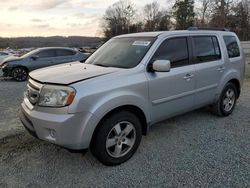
(73, 131)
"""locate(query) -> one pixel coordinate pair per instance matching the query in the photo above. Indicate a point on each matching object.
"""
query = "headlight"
(56, 96)
(4, 65)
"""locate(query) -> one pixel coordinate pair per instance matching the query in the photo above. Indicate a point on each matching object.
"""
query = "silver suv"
(130, 83)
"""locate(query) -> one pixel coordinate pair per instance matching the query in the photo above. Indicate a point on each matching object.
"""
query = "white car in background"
(4, 55)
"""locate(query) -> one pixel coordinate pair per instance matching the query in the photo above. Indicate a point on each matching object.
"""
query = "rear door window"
(206, 48)
(46, 53)
(175, 50)
(233, 49)
(63, 52)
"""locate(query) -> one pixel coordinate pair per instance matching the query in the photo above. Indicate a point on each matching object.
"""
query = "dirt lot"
(193, 150)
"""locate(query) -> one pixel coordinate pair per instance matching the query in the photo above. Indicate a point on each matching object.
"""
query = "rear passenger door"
(172, 92)
(209, 67)
(64, 56)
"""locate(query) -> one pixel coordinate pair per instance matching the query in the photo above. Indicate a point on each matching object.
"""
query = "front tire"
(19, 74)
(117, 138)
(227, 101)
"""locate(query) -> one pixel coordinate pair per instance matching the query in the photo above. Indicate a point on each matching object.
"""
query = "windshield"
(121, 52)
(30, 53)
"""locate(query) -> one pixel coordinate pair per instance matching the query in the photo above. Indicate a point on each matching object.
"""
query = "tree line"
(122, 17)
(27, 42)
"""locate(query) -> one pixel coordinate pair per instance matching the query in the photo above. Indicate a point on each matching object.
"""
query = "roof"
(174, 32)
(141, 34)
(50, 48)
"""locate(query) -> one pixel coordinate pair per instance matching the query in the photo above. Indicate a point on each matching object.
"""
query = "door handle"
(188, 77)
(221, 69)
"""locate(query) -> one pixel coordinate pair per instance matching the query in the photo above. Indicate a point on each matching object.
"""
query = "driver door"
(172, 92)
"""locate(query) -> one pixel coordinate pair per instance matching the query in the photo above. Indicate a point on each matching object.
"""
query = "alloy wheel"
(229, 100)
(120, 139)
(19, 74)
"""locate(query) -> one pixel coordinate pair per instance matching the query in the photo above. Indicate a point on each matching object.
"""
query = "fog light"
(52, 133)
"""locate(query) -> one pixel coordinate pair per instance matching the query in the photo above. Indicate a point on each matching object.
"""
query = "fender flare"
(107, 104)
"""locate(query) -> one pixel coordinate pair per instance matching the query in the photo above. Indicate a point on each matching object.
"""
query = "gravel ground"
(248, 66)
(11, 95)
(196, 149)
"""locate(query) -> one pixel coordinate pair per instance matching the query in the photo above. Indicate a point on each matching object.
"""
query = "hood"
(9, 59)
(70, 73)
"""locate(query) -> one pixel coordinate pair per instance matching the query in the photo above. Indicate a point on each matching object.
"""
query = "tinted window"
(47, 53)
(62, 52)
(175, 50)
(232, 46)
(206, 48)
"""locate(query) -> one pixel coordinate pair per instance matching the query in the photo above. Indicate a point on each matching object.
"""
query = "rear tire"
(117, 138)
(227, 101)
(19, 74)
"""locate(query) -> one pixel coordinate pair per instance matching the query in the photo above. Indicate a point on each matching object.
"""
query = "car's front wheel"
(19, 74)
(117, 138)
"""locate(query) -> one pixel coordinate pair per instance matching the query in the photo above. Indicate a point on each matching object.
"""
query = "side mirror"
(161, 66)
(34, 57)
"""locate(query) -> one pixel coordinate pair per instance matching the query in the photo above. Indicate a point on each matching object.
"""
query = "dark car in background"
(19, 67)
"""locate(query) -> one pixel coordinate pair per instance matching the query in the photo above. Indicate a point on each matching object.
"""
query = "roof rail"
(207, 28)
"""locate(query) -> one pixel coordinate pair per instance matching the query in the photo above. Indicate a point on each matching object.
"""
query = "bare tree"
(164, 21)
(151, 12)
(204, 11)
(118, 18)
(221, 11)
(240, 20)
(183, 12)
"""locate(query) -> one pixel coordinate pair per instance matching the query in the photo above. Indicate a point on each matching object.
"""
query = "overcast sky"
(55, 17)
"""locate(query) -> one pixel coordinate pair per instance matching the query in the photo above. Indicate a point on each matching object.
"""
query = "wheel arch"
(130, 108)
(20, 66)
(133, 109)
(236, 82)
(233, 77)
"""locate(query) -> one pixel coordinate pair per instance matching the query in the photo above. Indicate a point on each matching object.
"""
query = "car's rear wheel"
(117, 138)
(19, 74)
(227, 101)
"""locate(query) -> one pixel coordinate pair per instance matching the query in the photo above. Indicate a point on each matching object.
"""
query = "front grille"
(33, 91)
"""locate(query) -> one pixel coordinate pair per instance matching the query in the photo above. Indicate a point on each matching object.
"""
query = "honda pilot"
(130, 83)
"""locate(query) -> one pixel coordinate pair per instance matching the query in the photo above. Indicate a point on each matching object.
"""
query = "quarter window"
(206, 48)
(175, 50)
(232, 46)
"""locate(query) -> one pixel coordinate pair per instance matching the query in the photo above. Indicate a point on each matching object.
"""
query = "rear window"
(233, 49)
(206, 48)
(63, 52)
